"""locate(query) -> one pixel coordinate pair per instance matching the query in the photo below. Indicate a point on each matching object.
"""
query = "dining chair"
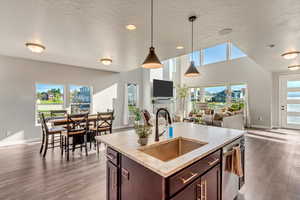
(104, 124)
(47, 133)
(55, 114)
(77, 129)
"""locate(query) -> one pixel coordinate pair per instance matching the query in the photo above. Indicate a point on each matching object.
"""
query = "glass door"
(290, 101)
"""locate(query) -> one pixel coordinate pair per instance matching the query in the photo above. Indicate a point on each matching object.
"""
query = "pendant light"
(152, 61)
(192, 70)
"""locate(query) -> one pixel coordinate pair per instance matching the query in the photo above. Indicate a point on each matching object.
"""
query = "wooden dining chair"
(77, 129)
(104, 124)
(56, 114)
(47, 133)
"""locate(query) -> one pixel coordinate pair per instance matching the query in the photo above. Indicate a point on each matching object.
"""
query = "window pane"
(49, 97)
(215, 54)
(238, 93)
(195, 94)
(215, 96)
(293, 107)
(80, 99)
(132, 97)
(293, 119)
(156, 74)
(236, 52)
(196, 57)
(293, 84)
(293, 95)
(172, 68)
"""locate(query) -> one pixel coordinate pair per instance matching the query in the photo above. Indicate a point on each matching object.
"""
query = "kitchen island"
(187, 166)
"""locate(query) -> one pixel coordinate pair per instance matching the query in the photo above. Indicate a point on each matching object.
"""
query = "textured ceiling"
(77, 32)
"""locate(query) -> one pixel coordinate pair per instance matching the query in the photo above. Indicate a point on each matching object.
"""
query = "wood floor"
(272, 173)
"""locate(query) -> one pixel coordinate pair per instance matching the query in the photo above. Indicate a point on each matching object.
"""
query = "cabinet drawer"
(112, 156)
(187, 175)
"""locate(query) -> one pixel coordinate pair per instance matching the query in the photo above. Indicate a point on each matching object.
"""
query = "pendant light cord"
(192, 40)
(151, 23)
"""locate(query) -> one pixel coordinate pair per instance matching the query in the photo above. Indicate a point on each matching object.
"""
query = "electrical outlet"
(8, 133)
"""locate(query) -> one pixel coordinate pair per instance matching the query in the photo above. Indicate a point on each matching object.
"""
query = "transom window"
(215, 54)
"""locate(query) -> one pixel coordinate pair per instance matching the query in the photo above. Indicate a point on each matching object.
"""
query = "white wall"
(243, 70)
(17, 88)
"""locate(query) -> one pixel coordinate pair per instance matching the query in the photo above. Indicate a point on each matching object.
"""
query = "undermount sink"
(173, 148)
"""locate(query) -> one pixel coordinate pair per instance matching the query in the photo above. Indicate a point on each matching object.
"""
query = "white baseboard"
(10, 143)
(260, 126)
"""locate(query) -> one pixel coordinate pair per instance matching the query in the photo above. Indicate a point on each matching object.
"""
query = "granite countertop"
(125, 142)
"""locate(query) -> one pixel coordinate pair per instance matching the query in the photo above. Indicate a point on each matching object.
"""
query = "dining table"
(61, 121)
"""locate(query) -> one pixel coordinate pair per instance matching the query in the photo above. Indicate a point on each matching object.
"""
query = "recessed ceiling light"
(105, 61)
(179, 47)
(225, 31)
(290, 55)
(131, 27)
(294, 67)
(35, 47)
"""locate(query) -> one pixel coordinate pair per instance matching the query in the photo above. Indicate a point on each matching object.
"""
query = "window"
(132, 97)
(156, 74)
(238, 93)
(196, 57)
(215, 96)
(80, 99)
(48, 97)
(236, 52)
(195, 94)
(293, 84)
(215, 54)
(172, 69)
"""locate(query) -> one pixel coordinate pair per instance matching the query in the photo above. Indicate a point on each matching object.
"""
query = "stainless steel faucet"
(156, 122)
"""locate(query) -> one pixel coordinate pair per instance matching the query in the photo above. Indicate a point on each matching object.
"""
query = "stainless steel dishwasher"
(231, 183)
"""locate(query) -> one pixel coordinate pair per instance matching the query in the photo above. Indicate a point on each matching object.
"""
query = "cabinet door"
(190, 192)
(211, 184)
(138, 182)
(112, 181)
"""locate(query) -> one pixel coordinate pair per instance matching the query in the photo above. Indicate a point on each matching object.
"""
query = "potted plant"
(143, 132)
(137, 115)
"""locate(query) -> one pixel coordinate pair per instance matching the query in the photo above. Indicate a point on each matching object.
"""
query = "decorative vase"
(143, 141)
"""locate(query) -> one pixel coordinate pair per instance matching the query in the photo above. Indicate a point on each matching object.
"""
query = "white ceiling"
(77, 32)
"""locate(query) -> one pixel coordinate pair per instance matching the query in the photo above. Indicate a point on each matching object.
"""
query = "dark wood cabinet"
(139, 183)
(112, 182)
(210, 185)
(191, 192)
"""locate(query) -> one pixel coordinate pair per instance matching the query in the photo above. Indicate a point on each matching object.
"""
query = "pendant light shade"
(152, 61)
(192, 70)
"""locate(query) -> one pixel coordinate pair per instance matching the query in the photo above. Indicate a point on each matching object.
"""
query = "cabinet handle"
(110, 157)
(203, 192)
(200, 186)
(213, 162)
(184, 181)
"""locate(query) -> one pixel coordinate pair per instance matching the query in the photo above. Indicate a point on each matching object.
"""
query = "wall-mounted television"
(162, 88)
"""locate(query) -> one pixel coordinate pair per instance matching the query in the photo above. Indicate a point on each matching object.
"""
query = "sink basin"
(171, 149)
